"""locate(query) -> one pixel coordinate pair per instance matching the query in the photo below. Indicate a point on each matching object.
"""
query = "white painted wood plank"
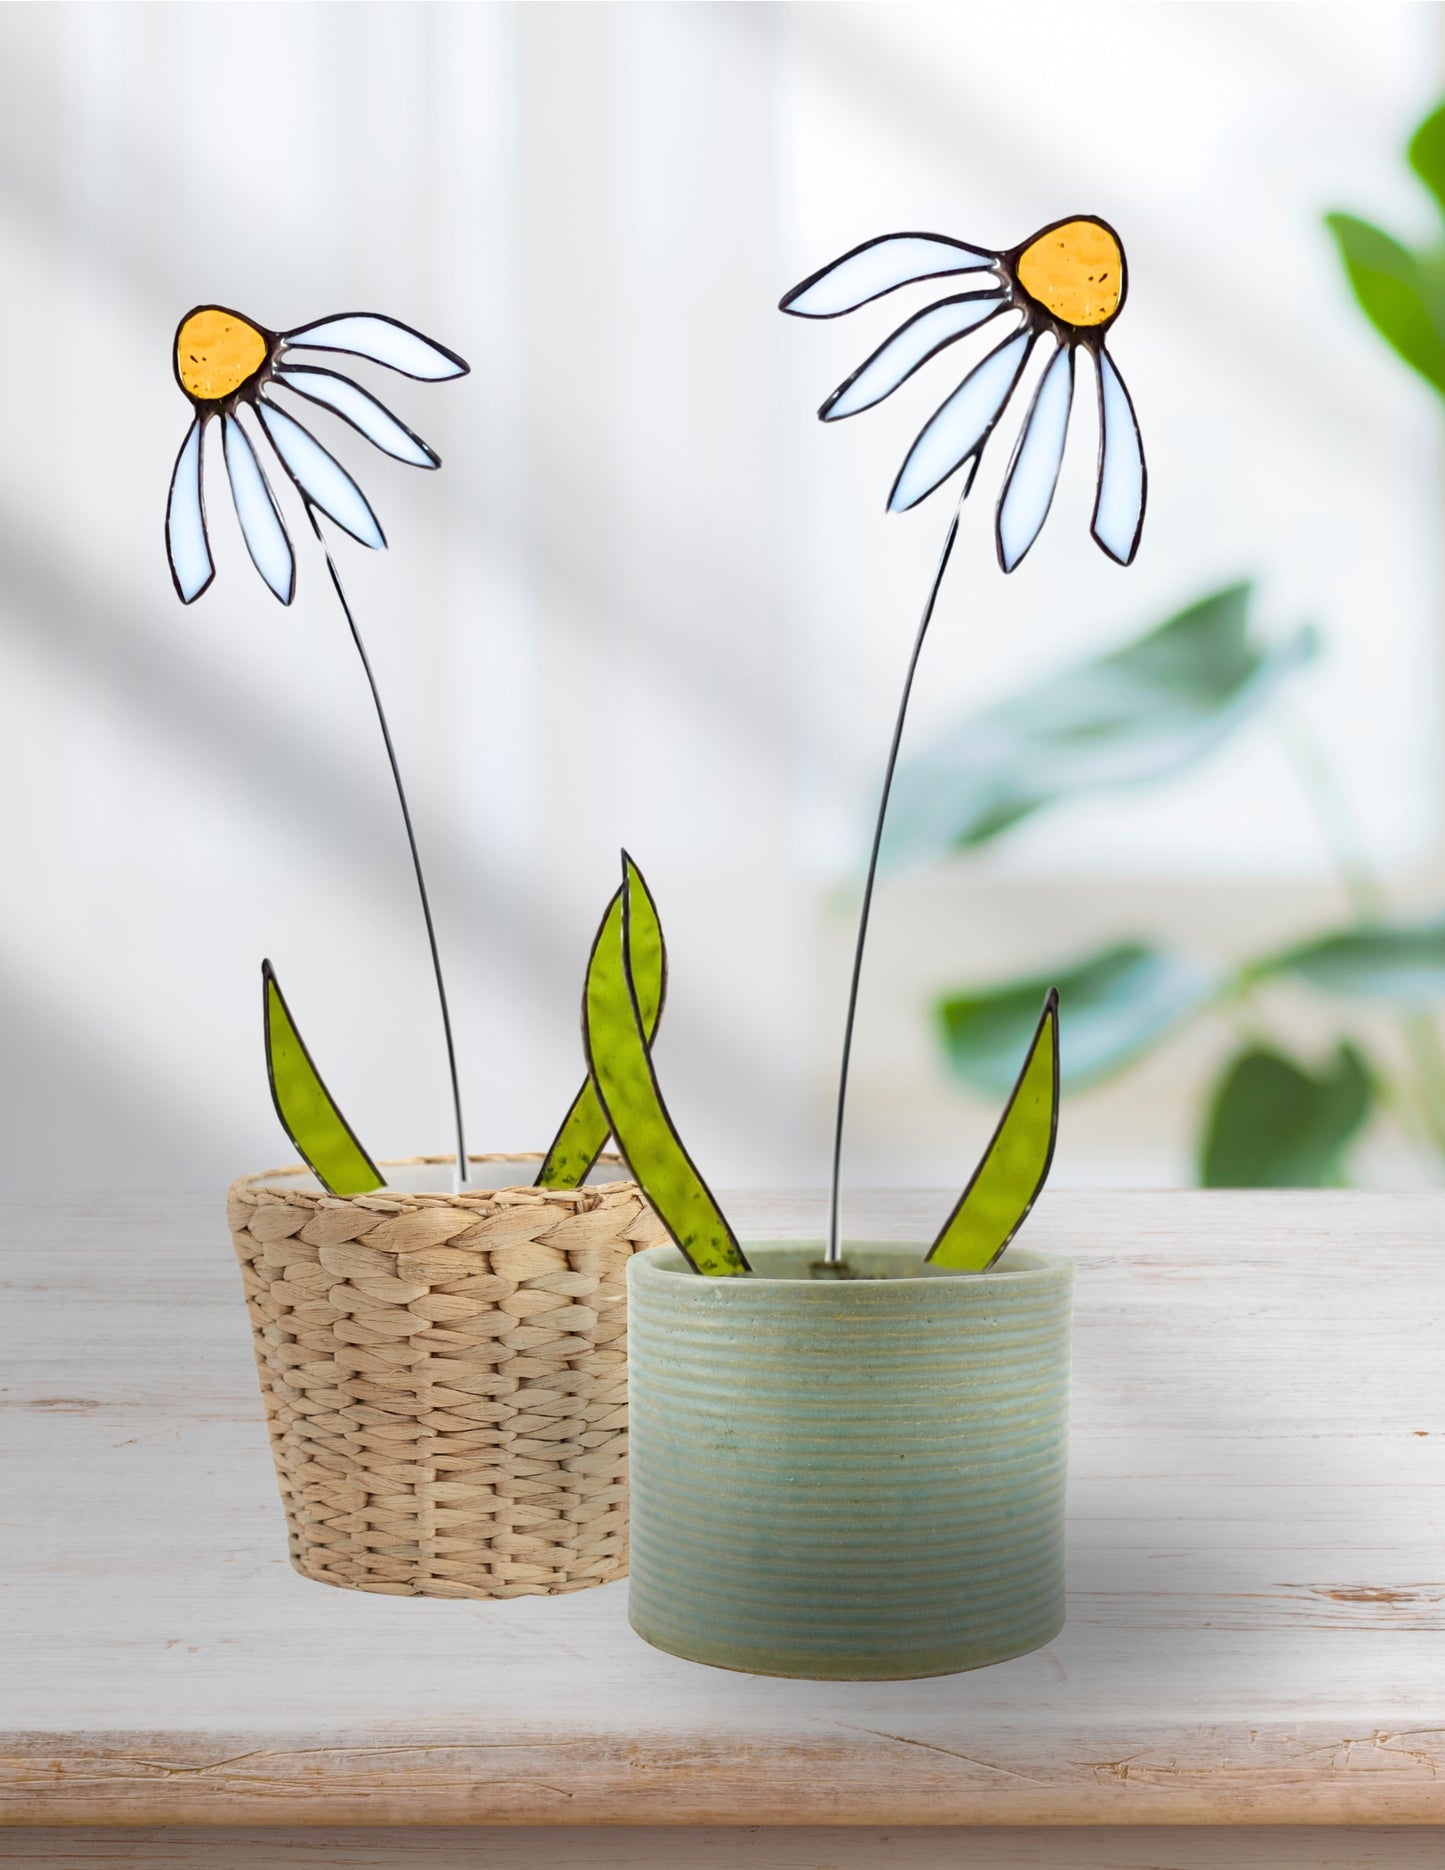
(1257, 1568)
(667, 1848)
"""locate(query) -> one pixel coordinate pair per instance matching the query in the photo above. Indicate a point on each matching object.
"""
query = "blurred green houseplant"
(1144, 712)
(1401, 289)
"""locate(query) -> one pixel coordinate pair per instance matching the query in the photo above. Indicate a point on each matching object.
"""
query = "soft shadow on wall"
(648, 601)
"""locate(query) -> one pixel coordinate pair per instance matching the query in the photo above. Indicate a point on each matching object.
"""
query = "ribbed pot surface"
(848, 1479)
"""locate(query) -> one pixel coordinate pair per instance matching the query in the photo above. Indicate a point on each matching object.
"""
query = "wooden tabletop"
(1256, 1627)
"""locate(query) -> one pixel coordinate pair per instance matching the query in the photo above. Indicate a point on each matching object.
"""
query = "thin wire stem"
(460, 1176)
(834, 1250)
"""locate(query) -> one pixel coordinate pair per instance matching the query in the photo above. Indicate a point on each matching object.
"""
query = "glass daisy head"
(225, 362)
(1061, 288)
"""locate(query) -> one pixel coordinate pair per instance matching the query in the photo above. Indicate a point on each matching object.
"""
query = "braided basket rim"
(255, 1183)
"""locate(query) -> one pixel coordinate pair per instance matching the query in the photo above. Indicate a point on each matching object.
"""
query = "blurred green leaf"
(1139, 713)
(1272, 1125)
(1400, 292)
(1400, 962)
(1116, 1005)
(1427, 154)
(1016, 1164)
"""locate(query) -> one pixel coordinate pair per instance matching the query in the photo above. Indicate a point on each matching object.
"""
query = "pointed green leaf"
(1122, 1002)
(585, 1128)
(1272, 1124)
(1015, 1165)
(1402, 298)
(1140, 713)
(621, 1066)
(1402, 962)
(1427, 154)
(307, 1110)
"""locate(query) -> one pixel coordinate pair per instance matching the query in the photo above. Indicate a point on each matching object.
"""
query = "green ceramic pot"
(848, 1479)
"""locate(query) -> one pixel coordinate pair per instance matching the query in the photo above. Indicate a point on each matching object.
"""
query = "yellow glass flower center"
(1075, 271)
(215, 353)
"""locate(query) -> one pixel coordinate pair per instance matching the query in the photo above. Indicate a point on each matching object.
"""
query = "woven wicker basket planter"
(445, 1378)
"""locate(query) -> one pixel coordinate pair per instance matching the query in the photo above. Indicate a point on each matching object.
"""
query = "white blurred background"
(649, 599)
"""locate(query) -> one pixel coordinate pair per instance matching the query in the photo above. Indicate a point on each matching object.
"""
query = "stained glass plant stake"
(223, 362)
(1065, 285)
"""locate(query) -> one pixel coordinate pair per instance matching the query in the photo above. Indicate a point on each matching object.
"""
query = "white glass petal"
(358, 407)
(1119, 507)
(911, 345)
(186, 542)
(319, 475)
(261, 526)
(1034, 471)
(878, 266)
(384, 341)
(962, 425)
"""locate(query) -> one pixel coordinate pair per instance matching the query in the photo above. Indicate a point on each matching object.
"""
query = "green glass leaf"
(1427, 154)
(1271, 1124)
(620, 1063)
(307, 1110)
(1402, 296)
(1140, 713)
(1402, 962)
(1015, 1165)
(1121, 1001)
(585, 1128)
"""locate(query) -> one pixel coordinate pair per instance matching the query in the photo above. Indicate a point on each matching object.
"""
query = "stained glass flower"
(1063, 288)
(223, 361)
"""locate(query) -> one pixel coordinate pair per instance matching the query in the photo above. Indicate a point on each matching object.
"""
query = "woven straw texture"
(445, 1380)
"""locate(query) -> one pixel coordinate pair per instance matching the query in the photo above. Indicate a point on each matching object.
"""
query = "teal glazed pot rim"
(881, 1270)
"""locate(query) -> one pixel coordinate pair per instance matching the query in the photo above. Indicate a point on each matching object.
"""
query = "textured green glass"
(621, 1068)
(585, 1128)
(308, 1113)
(1015, 1165)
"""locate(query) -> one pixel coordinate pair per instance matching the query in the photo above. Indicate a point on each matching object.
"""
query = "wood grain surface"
(1256, 1630)
(626, 1847)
